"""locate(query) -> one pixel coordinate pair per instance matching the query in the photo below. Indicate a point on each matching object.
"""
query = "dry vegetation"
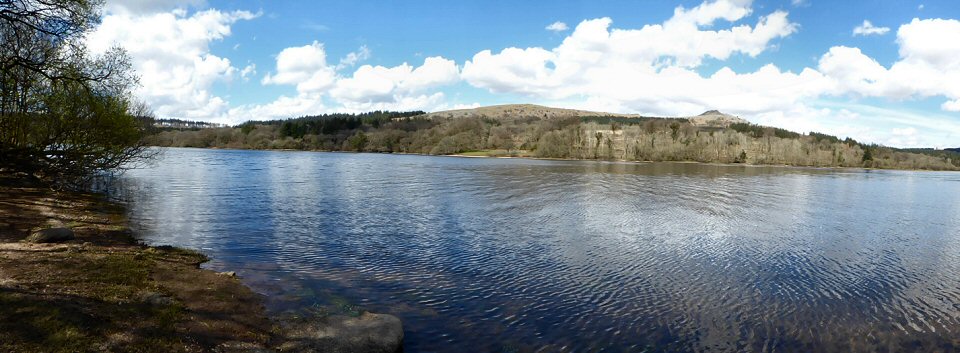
(527, 130)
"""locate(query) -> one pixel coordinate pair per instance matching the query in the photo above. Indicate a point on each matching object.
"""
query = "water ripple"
(538, 256)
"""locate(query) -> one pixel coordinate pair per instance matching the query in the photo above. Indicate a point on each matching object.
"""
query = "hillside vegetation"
(527, 130)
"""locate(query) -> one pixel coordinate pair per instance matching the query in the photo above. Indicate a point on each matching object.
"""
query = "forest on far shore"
(592, 137)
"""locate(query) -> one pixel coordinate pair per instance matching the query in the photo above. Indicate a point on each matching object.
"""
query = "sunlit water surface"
(513, 255)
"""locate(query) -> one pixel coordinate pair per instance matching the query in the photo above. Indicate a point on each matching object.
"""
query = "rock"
(339, 333)
(156, 299)
(228, 274)
(51, 235)
(241, 347)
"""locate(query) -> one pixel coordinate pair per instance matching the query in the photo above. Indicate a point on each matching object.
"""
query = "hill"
(712, 118)
(520, 111)
(538, 131)
(715, 118)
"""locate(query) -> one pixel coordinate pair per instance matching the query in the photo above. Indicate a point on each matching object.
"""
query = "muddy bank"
(104, 291)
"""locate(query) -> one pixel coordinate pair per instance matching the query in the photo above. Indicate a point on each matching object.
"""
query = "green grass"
(30, 325)
(489, 153)
(483, 153)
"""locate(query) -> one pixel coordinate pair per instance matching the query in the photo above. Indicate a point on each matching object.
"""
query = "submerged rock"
(368, 332)
(51, 235)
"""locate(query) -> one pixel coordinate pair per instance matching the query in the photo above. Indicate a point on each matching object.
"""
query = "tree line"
(610, 138)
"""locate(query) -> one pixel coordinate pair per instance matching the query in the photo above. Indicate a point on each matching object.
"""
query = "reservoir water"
(515, 255)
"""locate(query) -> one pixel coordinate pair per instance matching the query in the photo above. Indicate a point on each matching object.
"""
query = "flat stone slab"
(368, 332)
(51, 235)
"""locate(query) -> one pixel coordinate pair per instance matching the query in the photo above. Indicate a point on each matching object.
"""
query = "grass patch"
(117, 269)
(483, 153)
(492, 153)
(105, 292)
(36, 326)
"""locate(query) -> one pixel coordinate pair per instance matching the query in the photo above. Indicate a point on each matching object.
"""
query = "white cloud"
(306, 67)
(651, 69)
(466, 106)
(852, 71)
(868, 28)
(655, 69)
(869, 124)
(709, 11)
(953, 106)
(353, 58)
(248, 71)
(927, 66)
(139, 7)
(170, 51)
(557, 27)
(904, 137)
(316, 27)
(930, 42)
(282, 107)
(402, 87)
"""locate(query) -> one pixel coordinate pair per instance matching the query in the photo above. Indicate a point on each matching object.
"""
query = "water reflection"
(522, 255)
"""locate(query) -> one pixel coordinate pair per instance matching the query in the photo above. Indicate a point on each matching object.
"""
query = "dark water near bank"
(523, 255)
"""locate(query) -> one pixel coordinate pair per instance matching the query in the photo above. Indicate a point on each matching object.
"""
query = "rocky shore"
(73, 278)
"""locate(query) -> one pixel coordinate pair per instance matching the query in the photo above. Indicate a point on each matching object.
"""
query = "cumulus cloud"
(557, 27)
(136, 7)
(953, 106)
(305, 67)
(282, 107)
(927, 66)
(401, 87)
(709, 11)
(248, 71)
(904, 137)
(868, 28)
(654, 70)
(354, 57)
(171, 53)
(651, 69)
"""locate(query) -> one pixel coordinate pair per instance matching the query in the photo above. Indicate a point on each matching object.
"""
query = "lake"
(516, 255)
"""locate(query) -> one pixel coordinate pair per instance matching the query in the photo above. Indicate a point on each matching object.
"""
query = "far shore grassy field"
(496, 153)
(525, 154)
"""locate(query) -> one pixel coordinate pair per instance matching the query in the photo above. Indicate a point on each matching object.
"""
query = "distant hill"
(521, 111)
(715, 118)
(710, 118)
(950, 153)
(537, 131)
(184, 124)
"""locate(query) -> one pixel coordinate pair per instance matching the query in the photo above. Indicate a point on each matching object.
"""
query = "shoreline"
(104, 290)
(625, 161)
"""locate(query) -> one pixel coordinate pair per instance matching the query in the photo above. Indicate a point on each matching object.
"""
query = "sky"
(883, 72)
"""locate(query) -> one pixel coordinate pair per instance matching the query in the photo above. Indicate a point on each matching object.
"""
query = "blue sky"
(804, 65)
